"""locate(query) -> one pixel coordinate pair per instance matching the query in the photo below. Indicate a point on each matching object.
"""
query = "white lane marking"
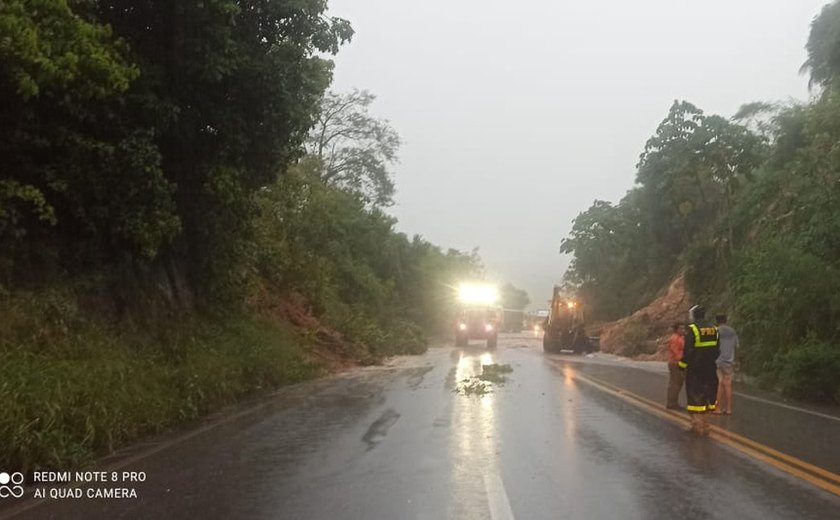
(659, 368)
(789, 407)
(497, 498)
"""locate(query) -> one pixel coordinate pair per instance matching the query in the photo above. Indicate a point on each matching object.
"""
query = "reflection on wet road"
(475, 485)
(406, 441)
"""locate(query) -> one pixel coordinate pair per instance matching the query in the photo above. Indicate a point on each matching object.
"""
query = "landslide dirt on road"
(644, 334)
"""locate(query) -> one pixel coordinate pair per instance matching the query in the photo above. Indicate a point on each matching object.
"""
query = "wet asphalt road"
(408, 441)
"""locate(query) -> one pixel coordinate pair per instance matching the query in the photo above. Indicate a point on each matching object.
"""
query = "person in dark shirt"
(699, 357)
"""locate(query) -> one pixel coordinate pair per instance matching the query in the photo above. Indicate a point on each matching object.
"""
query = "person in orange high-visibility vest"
(700, 353)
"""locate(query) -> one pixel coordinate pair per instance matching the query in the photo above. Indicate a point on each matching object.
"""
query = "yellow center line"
(817, 476)
(832, 477)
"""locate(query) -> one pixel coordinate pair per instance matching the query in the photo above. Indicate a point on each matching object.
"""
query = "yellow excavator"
(564, 328)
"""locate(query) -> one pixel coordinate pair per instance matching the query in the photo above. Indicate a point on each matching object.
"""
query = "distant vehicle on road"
(535, 320)
(479, 317)
(564, 328)
(513, 320)
(479, 322)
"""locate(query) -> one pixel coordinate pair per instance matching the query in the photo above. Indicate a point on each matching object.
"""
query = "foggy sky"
(515, 116)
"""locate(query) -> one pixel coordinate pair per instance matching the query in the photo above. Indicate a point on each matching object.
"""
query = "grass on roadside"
(72, 390)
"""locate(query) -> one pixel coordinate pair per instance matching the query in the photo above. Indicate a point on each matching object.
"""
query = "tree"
(231, 88)
(613, 266)
(690, 172)
(46, 46)
(730, 153)
(747, 209)
(676, 191)
(344, 257)
(80, 181)
(354, 150)
(144, 128)
(760, 117)
(823, 47)
(689, 177)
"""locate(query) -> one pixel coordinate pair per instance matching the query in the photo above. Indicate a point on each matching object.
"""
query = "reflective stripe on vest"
(697, 343)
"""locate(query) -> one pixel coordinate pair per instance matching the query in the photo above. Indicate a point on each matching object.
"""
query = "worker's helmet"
(698, 312)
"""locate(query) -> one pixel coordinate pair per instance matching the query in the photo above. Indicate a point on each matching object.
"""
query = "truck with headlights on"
(479, 322)
(479, 315)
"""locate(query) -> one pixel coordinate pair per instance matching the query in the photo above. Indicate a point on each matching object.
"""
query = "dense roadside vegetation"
(188, 217)
(747, 208)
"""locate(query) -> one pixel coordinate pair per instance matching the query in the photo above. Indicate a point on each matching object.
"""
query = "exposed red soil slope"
(329, 347)
(644, 334)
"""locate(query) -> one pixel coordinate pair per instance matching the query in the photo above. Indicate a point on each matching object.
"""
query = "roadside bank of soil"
(644, 334)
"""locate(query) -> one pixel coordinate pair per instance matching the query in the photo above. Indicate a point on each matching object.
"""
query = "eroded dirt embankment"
(644, 334)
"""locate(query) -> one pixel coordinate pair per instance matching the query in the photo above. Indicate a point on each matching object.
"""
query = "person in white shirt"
(725, 365)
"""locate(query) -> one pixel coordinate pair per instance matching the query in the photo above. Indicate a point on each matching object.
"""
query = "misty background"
(515, 117)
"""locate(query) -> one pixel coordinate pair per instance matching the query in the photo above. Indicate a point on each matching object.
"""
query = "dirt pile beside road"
(644, 334)
(328, 346)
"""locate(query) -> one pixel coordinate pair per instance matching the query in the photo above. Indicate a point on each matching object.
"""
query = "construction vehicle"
(564, 327)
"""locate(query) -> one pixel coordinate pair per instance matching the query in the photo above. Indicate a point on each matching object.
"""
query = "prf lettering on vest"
(708, 331)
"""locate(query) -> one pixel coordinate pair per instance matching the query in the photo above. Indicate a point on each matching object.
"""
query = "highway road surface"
(453, 435)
